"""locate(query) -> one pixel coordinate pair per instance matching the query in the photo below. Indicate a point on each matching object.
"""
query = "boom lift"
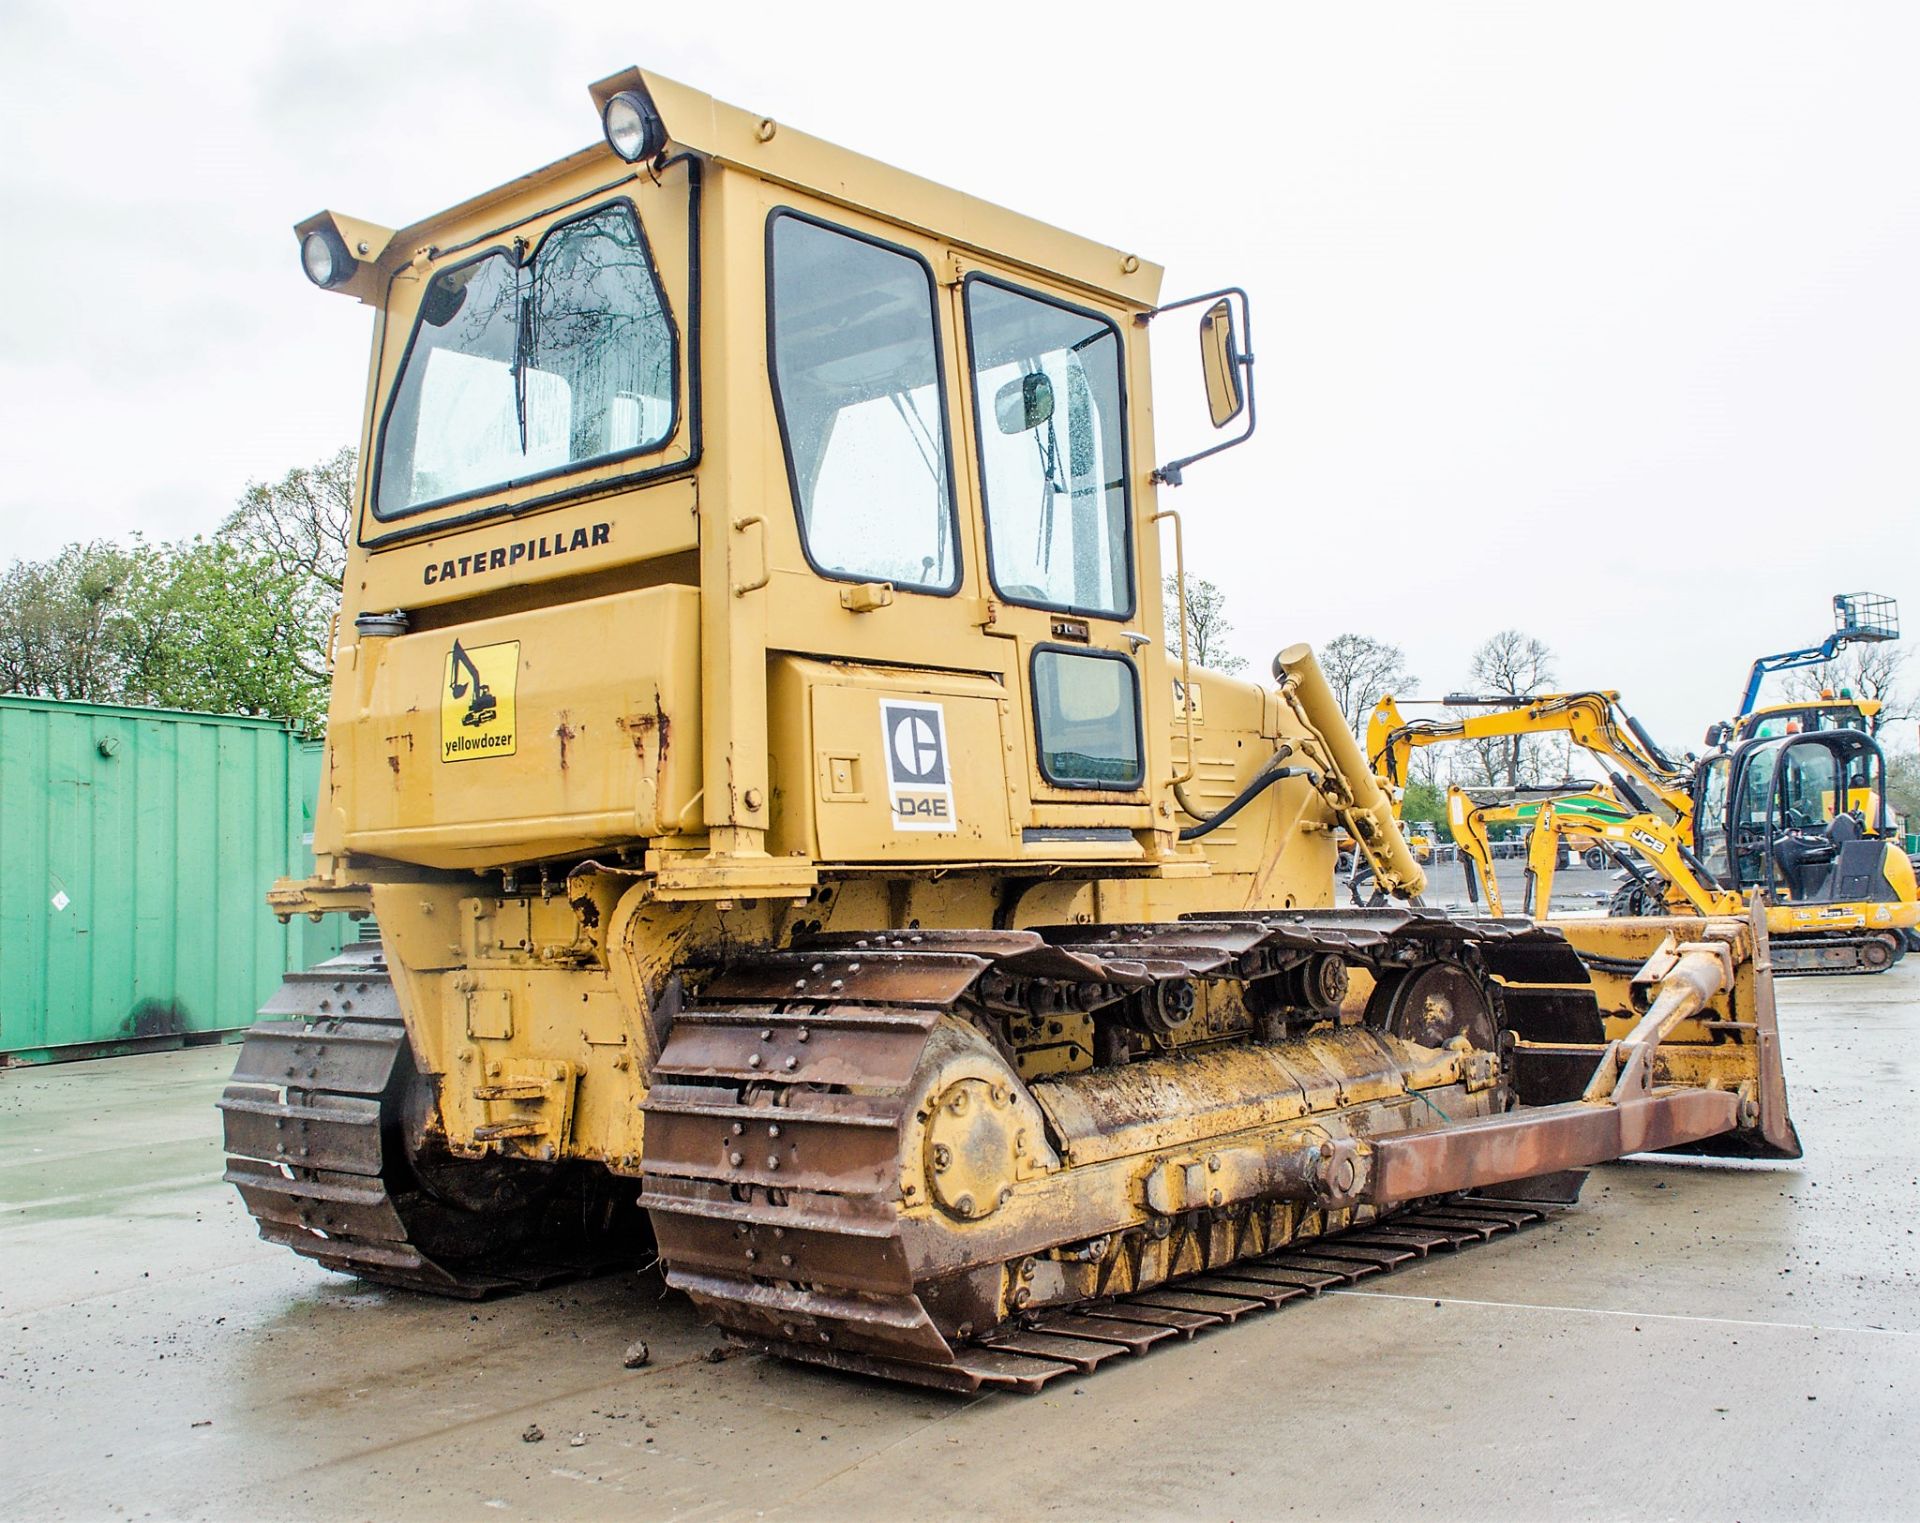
(1858, 618)
(832, 897)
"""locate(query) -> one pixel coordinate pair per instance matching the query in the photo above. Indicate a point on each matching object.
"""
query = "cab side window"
(863, 415)
(1048, 405)
(1087, 715)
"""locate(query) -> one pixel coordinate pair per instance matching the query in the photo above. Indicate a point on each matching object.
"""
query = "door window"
(1809, 786)
(1049, 416)
(1710, 819)
(1086, 708)
(1751, 806)
(856, 381)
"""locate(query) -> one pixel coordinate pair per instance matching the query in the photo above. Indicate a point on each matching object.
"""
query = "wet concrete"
(1692, 1340)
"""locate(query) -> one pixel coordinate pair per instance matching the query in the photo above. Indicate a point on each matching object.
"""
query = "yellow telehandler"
(789, 854)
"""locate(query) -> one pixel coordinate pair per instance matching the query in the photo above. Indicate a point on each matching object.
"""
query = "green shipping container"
(136, 849)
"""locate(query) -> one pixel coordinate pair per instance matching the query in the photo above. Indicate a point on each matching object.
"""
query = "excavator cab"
(1799, 817)
(1825, 713)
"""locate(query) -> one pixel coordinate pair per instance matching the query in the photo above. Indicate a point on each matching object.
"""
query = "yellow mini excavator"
(1796, 820)
(791, 853)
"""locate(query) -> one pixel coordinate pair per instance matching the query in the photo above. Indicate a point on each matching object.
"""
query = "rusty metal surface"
(802, 1248)
(1526, 1143)
(312, 1144)
(1025, 1357)
(833, 1046)
(933, 979)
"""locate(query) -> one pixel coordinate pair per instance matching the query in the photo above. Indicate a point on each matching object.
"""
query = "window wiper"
(522, 349)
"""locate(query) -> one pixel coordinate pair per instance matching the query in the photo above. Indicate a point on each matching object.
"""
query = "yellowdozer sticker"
(476, 702)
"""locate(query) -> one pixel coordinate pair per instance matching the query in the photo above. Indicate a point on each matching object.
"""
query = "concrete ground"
(1576, 889)
(1692, 1340)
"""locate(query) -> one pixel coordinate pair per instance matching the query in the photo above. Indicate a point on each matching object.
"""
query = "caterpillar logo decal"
(476, 701)
(919, 778)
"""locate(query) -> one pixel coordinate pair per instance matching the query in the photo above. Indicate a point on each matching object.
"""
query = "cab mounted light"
(633, 128)
(324, 256)
(341, 253)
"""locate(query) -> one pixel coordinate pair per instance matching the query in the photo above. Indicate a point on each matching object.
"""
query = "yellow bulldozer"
(793, 857)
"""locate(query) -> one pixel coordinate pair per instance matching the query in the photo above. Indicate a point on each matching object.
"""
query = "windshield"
(1818, 716)
(520, 369)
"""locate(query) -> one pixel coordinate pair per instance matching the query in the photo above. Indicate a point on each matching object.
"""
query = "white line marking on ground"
(1638, 1316)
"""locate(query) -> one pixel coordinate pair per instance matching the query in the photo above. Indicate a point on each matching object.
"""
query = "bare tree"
(1361, 671)
(1873, 670)
(1512, 664)
(1207, 625)
(1903, 788)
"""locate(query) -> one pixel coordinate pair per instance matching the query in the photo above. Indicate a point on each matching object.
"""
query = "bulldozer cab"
(1799, 817)
(786, 510)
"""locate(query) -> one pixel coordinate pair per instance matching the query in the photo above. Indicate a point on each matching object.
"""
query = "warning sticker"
(476, 701)
(919, 778)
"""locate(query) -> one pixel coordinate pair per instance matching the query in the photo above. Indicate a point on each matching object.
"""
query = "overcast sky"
(1597, 320)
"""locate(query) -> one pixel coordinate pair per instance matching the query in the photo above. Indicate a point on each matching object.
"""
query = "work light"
(634, 129)
(325, 258)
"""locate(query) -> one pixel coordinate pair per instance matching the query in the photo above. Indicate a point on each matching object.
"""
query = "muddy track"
(790, 1098)
(313, 1121)
(1028, 1353)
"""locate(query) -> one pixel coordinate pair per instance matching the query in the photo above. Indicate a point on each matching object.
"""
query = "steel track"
(313, 1141)
(1028, 1354)
(780, 1107)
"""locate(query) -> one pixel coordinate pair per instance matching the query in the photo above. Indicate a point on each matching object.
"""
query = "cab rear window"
(524, 368)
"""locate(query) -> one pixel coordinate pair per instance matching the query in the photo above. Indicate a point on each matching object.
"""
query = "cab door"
(1046, 388)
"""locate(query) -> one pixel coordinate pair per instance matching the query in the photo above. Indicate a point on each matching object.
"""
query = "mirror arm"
(1170, 474)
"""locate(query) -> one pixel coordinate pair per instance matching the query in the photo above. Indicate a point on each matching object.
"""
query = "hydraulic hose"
(1265, 779)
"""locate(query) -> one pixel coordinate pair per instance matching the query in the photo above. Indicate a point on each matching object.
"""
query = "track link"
(313, 1137)
(1837, 954)
(781, 1105)
(1029, 1353)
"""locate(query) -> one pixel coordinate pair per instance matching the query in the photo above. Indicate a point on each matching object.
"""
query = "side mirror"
(1024, 403)
(1226, 364)
(1716, 732)
(1217, 350)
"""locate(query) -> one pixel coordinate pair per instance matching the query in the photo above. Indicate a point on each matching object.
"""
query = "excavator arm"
(1595, 811)
(1640, 771)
